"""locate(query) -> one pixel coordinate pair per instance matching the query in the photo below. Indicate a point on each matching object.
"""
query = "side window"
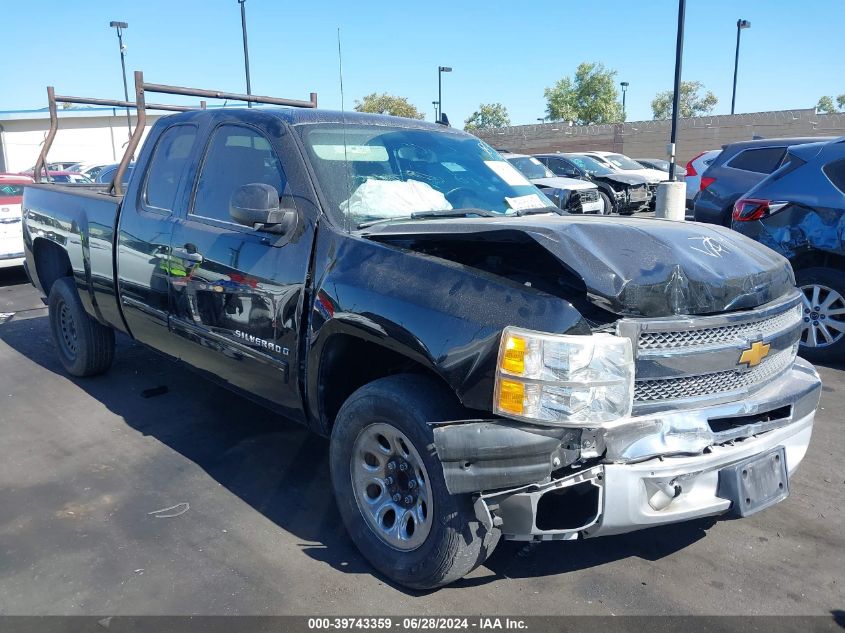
(236, 156)
(166, 166)
(836, 172)
(763, 161)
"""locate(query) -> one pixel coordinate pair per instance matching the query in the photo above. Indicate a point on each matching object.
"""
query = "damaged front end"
(710, 394)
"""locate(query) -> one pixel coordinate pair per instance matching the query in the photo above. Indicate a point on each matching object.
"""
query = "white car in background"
(695, 168)
(625, 165)
(570, 194)
(11, 227)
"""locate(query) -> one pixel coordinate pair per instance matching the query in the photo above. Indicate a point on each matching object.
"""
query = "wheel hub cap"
(391, 486)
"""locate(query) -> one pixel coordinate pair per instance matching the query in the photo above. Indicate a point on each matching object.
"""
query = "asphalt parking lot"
(117, 501)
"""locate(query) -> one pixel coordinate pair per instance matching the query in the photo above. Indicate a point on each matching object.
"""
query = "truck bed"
(81, 219)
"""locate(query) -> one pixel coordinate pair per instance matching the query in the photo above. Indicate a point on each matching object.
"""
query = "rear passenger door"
(144, 262)
(236, 304)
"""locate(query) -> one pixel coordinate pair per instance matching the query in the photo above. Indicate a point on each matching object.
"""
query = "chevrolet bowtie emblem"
(755, 354)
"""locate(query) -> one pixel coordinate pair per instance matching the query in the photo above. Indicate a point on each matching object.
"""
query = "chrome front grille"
(719, 335)
(721, 382)
(696, 361)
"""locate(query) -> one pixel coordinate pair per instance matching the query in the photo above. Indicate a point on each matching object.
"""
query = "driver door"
(236, 304)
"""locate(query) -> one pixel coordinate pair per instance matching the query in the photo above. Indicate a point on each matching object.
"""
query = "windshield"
(623, 162)
(372, 173)
(531, 167)
(590, 165)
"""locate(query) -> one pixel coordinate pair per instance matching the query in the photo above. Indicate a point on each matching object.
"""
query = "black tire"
(85, 347)
(607, 205)
(828, 281)
(457, 542)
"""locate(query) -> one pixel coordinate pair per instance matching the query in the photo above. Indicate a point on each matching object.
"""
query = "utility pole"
(246, 50)
(440, 71)
(624, 85)
(676, 99)
(740, 24)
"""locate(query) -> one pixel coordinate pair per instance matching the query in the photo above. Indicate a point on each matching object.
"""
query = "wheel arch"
(347, 361)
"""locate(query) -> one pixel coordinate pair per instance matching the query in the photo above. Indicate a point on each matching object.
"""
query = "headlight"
(577, 380)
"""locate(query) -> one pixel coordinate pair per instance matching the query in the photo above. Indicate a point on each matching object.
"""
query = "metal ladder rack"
(141, 105)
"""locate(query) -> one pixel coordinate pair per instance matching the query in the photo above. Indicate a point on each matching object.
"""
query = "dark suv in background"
(799, 211)
(737, 169)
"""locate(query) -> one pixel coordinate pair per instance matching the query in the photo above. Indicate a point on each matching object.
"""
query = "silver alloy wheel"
(391, 486)
(824, 316)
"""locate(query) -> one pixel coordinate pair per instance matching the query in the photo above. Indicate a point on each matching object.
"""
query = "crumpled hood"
(636, 266)
(559, 182)
(625, 179)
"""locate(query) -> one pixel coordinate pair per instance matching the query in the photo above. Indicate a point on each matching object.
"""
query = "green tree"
(488, 115)
(388, 104)
(693, 102)
(840, 101)
(825, 105)
(588, 97)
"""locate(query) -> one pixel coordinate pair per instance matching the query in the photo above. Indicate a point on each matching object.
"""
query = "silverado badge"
(754, 355)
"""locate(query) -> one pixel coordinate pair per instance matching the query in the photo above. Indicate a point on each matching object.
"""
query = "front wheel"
(823, 336)
(390, 490)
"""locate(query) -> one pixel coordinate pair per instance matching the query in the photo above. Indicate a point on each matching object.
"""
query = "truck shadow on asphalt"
(281, 469)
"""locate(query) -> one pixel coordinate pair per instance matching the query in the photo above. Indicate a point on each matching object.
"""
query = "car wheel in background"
(823, 337)
(606, 204)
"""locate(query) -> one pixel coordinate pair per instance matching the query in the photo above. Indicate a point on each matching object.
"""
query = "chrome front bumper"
(663, 468)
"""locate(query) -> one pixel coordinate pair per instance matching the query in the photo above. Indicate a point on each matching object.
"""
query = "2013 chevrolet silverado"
(485, 365)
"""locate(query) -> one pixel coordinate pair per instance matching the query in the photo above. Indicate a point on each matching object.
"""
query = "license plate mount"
(756, 483)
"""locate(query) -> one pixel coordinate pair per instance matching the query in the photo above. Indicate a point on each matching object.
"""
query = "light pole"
(541, 119)
(246, 50)
(624, 85)
(676, 98)
(120, 26)
(740, 24)
(440, 71)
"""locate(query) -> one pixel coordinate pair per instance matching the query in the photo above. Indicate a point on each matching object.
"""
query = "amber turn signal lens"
(513, 360)
(511, 396)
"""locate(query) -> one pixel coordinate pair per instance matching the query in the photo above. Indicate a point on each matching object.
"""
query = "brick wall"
(648, 139)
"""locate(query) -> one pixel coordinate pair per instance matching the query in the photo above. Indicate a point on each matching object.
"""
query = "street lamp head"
(119, 25)
(445, 69)
(743, 24)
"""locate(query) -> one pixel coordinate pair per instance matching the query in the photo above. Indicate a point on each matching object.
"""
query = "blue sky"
(506, 52)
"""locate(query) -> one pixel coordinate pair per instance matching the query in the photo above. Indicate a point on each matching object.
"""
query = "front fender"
(442, 315)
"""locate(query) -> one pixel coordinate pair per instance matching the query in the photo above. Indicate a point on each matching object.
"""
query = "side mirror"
(256, 205)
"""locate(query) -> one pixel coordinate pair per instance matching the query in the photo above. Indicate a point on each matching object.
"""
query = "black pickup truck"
(485, 365)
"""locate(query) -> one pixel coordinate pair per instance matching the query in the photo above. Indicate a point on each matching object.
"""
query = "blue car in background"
(799, 211)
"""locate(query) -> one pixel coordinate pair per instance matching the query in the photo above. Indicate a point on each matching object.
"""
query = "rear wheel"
(390, 490)
(823, 336)
(85, 346)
